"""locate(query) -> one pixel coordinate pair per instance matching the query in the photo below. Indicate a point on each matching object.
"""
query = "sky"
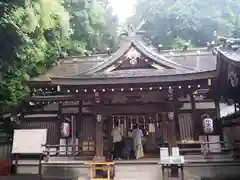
(123, 8)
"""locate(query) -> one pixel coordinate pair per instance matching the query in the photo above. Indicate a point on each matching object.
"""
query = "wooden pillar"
(176, 121)
(217, 107)
(235, 107)
(194, 118)
(217, 123)
(171, 122)
(74, 135)
(99, 137)
(78, 122)
(62, 140)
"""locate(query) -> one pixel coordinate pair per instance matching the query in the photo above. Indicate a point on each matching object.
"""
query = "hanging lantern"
(170, 116)
(65, 129)
(99, 118)
(208, 125)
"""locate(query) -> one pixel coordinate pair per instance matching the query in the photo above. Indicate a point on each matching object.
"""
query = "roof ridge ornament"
(132, 31)
(230, 43)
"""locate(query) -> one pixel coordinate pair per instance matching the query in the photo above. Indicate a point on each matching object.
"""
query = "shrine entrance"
(153, 126)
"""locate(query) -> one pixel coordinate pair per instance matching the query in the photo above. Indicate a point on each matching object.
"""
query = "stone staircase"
(137, 172)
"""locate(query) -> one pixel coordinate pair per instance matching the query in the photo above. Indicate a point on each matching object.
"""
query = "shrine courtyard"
(151, 172)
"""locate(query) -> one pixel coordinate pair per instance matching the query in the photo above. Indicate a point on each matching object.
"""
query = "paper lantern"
(171, 115)
(99, 118)
(65, 129)
(208, 125)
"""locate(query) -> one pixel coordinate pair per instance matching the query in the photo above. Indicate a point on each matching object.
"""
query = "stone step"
(137, 168)
(137, 172)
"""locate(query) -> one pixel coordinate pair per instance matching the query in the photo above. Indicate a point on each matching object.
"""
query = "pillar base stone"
(99, 158)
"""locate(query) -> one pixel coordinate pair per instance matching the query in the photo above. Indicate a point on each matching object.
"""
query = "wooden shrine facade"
(228, 74)
(165, 90)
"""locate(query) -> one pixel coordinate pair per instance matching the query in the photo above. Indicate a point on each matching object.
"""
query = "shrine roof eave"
(231, 57)
(134, 80)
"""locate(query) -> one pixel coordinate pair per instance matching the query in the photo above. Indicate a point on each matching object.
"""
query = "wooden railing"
(204, 149)
(55, 150)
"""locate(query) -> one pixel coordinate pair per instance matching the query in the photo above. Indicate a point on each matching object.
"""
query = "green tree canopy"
(168, 21)
(34, 33)
(29, 34)
(93, 25)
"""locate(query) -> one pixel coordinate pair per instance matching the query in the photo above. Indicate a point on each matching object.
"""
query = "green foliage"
(26, 51)
(34, 33)
(194, 20)
(236, 30)
(93, 25)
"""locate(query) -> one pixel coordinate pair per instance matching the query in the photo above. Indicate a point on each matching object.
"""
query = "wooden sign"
(164, 156)
(164, 153)
(29, 141)
(175, 151)
(176, 160)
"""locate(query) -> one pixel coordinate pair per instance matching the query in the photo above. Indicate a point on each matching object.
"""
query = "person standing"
(127, 146)
(117, 141)
(137, 141)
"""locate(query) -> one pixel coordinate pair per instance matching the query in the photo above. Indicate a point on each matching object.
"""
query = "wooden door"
(185, 126)
(87, 135)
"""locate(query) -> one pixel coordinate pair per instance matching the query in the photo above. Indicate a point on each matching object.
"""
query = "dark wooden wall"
(51, 124)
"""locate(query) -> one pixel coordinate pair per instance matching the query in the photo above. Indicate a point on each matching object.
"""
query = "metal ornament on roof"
(131, 31)
(133, 61)
(133, 55)
(233, 77)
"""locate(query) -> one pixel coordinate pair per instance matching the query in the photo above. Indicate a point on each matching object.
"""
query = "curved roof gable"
(155, 60)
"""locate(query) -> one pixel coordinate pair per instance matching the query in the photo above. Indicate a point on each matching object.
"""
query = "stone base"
(99, 158)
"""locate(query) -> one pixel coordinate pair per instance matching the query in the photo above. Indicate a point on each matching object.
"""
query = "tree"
(36, 32)
(190, 20)
(31, 32)
(93, 25)
(236, 30)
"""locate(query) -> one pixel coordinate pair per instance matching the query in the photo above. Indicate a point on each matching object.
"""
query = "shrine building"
(228, 74)
(162, 90)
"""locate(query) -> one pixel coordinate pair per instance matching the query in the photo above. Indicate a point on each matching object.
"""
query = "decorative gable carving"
(133, 59)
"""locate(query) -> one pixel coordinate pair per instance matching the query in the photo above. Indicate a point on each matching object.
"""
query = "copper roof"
(71, 66)
(232, 56)
(191, 61)
(230, 50)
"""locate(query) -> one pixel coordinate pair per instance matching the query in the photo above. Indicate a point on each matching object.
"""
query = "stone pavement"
(153, 172)
(139, 172)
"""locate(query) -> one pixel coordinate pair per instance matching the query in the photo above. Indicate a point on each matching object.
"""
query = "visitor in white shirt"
(117, 141)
